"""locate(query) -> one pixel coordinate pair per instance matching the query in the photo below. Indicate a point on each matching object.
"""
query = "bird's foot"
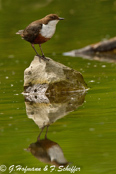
(44, 58)
(39, 57)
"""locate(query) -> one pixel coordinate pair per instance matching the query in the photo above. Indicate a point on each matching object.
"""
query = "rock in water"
(51, 77)
(102, 51)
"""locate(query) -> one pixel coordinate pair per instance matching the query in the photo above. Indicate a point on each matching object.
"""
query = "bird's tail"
(19, 32)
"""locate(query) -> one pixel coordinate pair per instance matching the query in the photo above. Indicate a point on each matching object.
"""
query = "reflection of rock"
(102, 51)
(54, 108)
(49, 152)
(38, 98)
(46, 76)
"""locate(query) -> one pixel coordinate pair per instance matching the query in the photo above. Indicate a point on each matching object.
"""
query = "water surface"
(86, 135)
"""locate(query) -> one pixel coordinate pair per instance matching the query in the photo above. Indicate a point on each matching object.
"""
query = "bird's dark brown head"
(51, 17)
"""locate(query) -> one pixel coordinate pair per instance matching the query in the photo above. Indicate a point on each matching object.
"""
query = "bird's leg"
(43, 56)
(46, 132)
(41, 50)
(40, 133)
(36, 51)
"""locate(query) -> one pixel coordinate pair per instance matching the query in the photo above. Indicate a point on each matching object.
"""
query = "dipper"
(40, 31)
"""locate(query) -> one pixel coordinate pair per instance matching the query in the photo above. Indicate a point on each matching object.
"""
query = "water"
(86, 135)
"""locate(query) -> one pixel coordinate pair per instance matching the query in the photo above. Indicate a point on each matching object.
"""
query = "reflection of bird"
(49, 152)
(40, 31)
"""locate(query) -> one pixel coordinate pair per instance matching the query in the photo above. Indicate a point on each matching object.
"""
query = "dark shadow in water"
(45, 110)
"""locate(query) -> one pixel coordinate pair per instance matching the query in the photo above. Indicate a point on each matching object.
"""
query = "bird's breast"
(40, 39)
(47, 31)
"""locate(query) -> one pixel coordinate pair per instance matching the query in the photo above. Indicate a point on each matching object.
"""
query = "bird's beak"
(61, 18)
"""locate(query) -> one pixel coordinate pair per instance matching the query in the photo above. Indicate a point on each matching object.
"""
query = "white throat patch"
(48, 30)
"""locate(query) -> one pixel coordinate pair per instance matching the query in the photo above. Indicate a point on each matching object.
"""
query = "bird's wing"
(31, 31)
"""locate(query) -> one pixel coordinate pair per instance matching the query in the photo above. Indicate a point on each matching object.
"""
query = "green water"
(87, 135)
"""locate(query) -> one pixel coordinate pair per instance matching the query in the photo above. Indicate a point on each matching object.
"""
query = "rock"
(102, 51)
(104, 46)
(51, 77)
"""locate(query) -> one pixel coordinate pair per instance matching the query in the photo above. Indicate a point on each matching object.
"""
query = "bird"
(40, 31)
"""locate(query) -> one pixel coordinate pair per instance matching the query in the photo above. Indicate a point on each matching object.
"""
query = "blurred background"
(87, 135)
